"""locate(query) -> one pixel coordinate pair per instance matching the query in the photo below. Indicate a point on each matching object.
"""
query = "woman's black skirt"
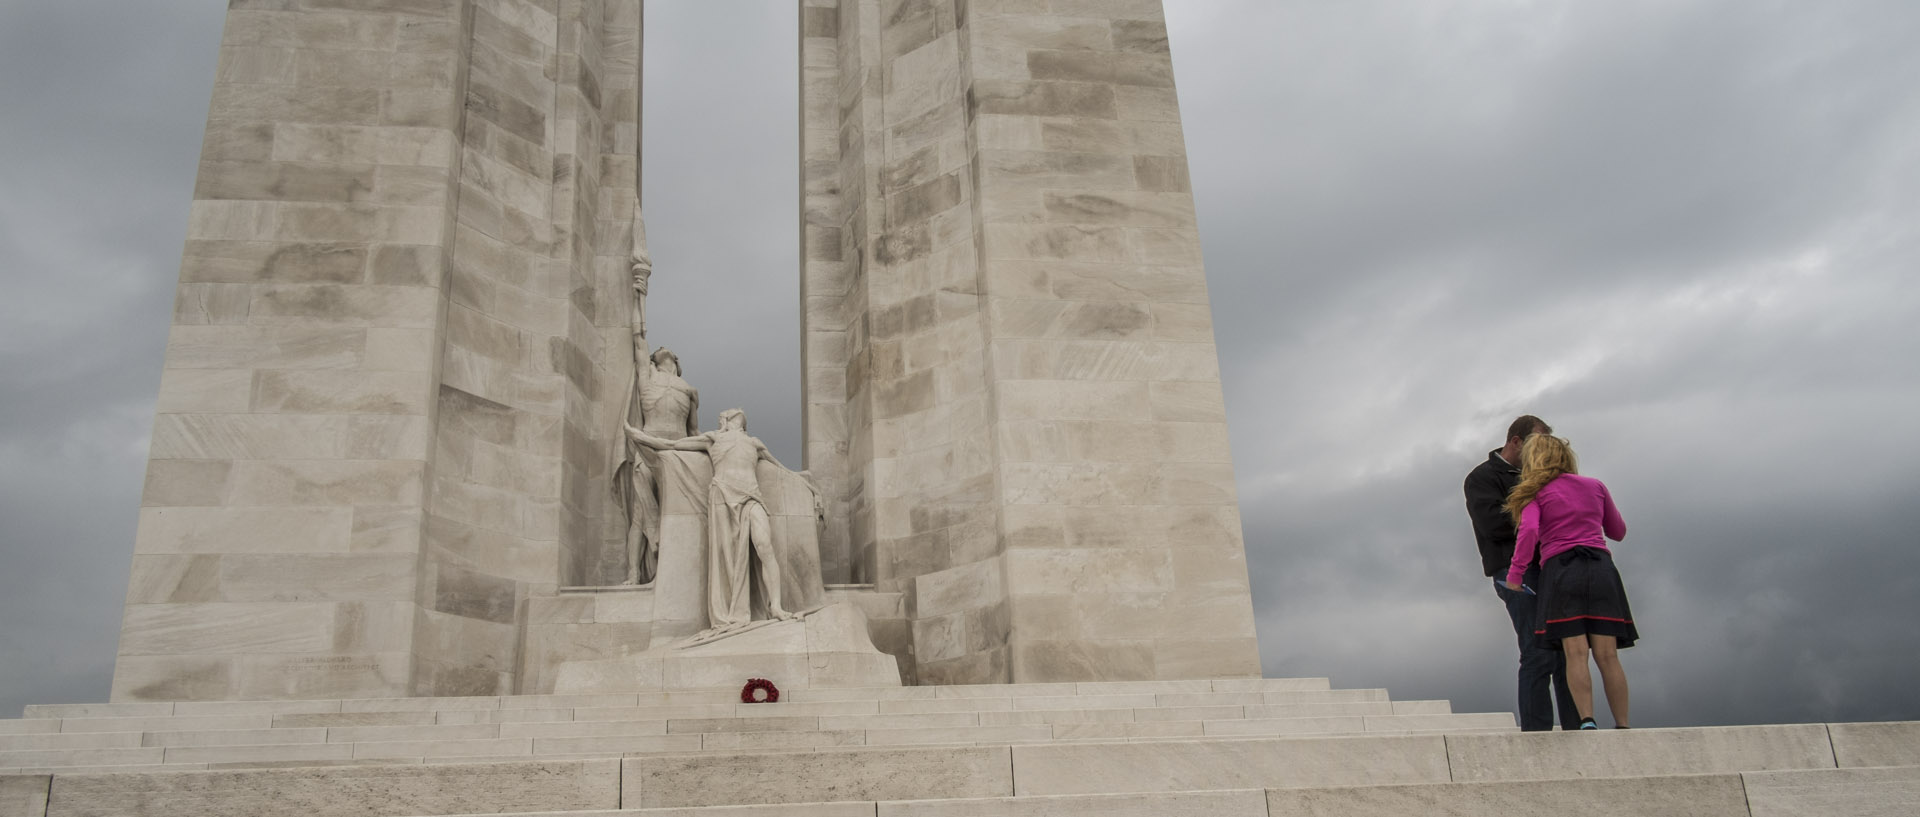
(1581, 594)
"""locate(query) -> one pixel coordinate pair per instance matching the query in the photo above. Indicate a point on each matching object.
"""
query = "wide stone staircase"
(1220, 748)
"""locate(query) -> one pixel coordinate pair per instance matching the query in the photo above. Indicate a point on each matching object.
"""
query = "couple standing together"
(1542, 529)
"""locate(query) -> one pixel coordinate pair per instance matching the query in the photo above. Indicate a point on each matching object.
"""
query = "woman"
(1583, 606)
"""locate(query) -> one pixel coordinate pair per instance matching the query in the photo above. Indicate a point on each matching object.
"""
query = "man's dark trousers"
(1539, 664)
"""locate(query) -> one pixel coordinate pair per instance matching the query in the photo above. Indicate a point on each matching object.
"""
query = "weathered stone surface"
(1877, 792)
(1616, 753)
(1245, 803)
(855, 774)
(829, 647)
(1876, 744)
(346, 790)
(1185, 766)
(24, 795)
(1703, 795)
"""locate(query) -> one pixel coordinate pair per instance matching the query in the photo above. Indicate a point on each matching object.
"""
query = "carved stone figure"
(739, 532)
(659, 402)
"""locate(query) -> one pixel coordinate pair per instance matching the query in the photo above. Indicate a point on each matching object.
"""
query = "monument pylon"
(389, 456)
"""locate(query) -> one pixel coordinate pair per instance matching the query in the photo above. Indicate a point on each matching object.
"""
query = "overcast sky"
(1685, 233)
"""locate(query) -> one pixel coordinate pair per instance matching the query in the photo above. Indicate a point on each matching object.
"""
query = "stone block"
(233, 737)
(353, 146)
(486, 748)
(24, 795)
(172, 678)
(82, 740)
(328, 483)
(852, 774)
(1055, 716)
(344, 719)
(172, 629)
(1635, 752)
(947, 705)
(1327, 725)
(1017, 733)
(1190, 713)
(412, 732)
(778, 741)
(743, 724)
(1031, 32)
(347, 790)
(1118, 10)
(271, 753)
(782, 810)
(1242, 803)
(250, 262)
(1704, 796)
(1127, 731)
(618, 744)
(1442, 722)
(56, 758)
(208, 390)
(1876, 792)
(264, 347)
(316, 577)
(1101, 768)
(1089, 571)
(283, 181)
(247, 436)
(1876, 744)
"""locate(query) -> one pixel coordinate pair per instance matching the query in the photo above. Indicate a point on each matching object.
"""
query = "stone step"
(87, 733)
(726, 696)
(1837, 792)
(207, 749)
(1717, 770)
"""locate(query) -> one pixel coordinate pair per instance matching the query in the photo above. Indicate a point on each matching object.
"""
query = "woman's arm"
(1610, 522)
(1524, 544)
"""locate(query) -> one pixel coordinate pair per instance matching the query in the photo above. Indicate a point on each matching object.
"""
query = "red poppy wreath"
(759, 691)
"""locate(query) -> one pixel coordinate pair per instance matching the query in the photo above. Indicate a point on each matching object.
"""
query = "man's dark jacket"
(1487, 487)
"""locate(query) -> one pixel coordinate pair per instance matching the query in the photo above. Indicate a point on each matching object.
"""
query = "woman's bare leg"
(1606, 656)
(1579, 679)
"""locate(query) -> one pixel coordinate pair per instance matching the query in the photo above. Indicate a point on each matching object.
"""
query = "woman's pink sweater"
(1569, 512)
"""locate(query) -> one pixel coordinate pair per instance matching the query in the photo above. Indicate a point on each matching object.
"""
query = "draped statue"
(739, 529)
(660, 402)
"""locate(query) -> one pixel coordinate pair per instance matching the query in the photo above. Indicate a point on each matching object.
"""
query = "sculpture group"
(663, 450)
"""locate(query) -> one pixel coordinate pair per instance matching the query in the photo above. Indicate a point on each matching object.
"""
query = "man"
(738, 528)
(1487, 487)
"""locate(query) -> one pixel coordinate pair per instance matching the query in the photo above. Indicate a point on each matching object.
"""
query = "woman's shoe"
(1587, 723)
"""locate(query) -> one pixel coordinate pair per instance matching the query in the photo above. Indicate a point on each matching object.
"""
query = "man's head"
(663, 358)
(733, 420)
(1518, 432)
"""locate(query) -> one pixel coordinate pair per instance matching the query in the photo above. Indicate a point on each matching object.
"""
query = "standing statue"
(665, 406)
(738, 528)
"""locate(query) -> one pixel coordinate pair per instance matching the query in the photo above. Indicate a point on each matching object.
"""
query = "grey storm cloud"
(1683, 232)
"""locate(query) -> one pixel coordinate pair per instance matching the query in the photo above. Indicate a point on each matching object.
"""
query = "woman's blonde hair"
(1542, 458)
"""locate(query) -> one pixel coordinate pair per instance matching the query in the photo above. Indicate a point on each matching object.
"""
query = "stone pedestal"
(828, 647)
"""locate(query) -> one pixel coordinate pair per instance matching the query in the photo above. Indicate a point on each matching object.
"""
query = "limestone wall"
(386, 400)
(1036, 440)
(280, 527)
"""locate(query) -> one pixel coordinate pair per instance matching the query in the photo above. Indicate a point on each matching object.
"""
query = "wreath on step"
(759, 691)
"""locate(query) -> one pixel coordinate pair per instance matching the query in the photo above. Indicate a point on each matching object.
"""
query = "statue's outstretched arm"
(689, 444)
(767, 455)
